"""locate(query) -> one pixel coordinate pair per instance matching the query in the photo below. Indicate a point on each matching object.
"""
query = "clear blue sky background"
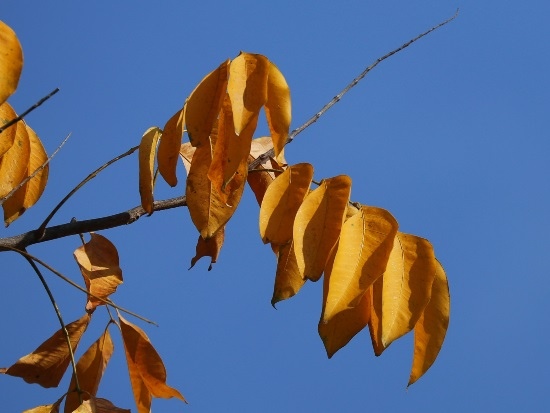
(450, 135)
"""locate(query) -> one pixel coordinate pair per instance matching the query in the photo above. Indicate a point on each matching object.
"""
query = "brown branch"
(29, 110)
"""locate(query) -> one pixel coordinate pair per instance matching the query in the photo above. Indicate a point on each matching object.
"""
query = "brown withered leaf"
(47, 364)
(11, 61)
(209, 247)
(278, 109)
(14, 163)
(147, 150)
(146, 369)
(288, 280)
(247, 88)
(7, 136)
(99, 264)
(318, 224)
(281, 202)
(257, 180)
(204, 103)
(186, 154)
(32, 190)
(169, 147)
(89, 369)
(431, 328)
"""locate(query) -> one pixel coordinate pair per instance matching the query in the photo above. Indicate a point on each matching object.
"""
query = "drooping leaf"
(288, 279)
(209, 247)
(318, 223)
(430, 330)
(147, 371)
(406, 285)
(8, 135)
(278, 108)
(375, 320)
(208, 211)
(90, 369)
(247, 88)
(15, 162)
(259, 181)
(365, 244)
(204, 103)
(11, 61)
(230, 151)
(169, 147)
(47, 364)
(99, 264)
(281, 202)
(147, 150)
(32, 190)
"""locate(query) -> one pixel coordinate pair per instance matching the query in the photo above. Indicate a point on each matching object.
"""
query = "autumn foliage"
(374, 276)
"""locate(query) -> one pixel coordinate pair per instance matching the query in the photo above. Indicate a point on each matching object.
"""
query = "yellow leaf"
(32, 190)
(89, 369)
(406, 285)
(259, 181)
(230, 151)
(318, 223)
(47, 364)
(147, 149)
(169, 147)
(11, 61)
(208, 211)
(49, 408)
(186, 154)
(288, 280)
(247, 88)
(87, 406)
(365, 244)
(375, 320)
(340, 329)
(147, 371)
(15, 162)
(430, 330)
(278, 108)
(281, 202)
(8, 135)
(209, 247)
(204, 103)
(99, 264)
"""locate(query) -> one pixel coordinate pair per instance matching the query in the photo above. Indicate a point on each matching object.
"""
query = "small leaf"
(259, 181)
(247, 88)
(105, 406)
(87, 406)
(431, 328)
(147, 150)
(99, 264)
(288, 280)
(375, 320)
(7, 136)
(318, 223)
(186, 154)
(47, 364)
(204, 103)
(209, 248)
(15, 162)
(281, 202)
(11, 61)
(278, 108)
(169, 147)
(49, 408)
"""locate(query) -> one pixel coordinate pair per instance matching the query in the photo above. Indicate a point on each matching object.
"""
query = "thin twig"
(29, 110)
(336, 99)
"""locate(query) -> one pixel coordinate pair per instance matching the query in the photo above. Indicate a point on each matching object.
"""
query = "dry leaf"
(186, 154)
(7, 136)
(169, 147)
(105, 406)
(147, 150)
(375, 320)
(49, 408)
(259, 181)
(47, 364)
(288, 279)
(14, 163)
(278, 109)
(11, 61)
(209, 248)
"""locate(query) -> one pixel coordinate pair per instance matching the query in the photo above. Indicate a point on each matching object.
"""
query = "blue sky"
(450, 135)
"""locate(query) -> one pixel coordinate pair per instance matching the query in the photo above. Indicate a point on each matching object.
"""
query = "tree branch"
(29, 110)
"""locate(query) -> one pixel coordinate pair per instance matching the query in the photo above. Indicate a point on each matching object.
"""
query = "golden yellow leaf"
(147, 150)
(15, 162)
(147, 371)
(11, 61)
(278, 108)
(32, 190)
(48, 408)
(288, 280)
(186, 154)
(89, 369)
(375, 320)
(169, 147)
(365, 244)
(340, 329)
(7, 136)
(99, 265)
(430, 330)
(318, 223)
(247, 88)
(230, 151)
(208, 211)
(406, 285)
(87, 406)
(204, 103)
(209, 247)
(47, 364)
(281, 202)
